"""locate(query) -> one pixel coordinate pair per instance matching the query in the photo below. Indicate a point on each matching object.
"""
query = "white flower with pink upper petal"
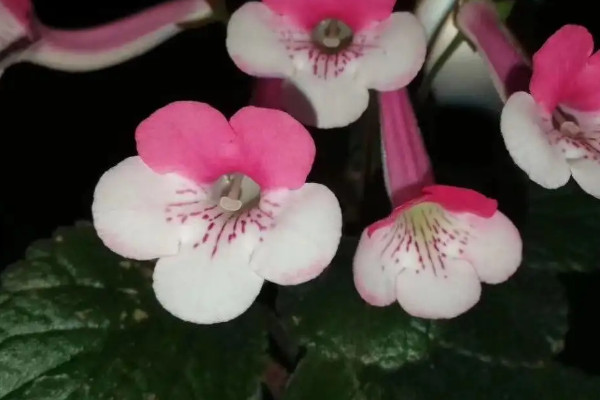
(432, 253)
(223, 205)
(329, 52)
(553, 132)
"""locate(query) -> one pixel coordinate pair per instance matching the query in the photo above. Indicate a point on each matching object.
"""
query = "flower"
(432, 252)
(223, 205)
(91, 48)
(330, 52)
(553, 132)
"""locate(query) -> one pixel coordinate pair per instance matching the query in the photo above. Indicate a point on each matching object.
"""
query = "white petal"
(447, 293)
(587, 174)
(526, 139)
(494, 247)
(198, 288)
(305, 235)
(325, 103)
(375, 275)
(397, 53)
(129, 210)
(254, 42)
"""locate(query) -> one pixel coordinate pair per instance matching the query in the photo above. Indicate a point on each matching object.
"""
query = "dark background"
(61, 131)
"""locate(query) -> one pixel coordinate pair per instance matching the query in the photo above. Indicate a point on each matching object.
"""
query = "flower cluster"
(224, 205)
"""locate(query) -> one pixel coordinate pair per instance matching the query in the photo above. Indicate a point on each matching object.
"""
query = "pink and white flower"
(431, 254)
(24, 38)
(329, 52)
(223, 205)
(553, 132)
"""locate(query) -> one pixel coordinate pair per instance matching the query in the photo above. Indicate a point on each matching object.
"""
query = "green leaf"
(520, 322)
(450, 376)
(78, 322)
(563, 230)
(317, 378)
(329, 317)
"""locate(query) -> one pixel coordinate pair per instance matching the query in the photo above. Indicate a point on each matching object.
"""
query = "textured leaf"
(317, 378)
(563, 233)
(453, 377)
(78, 322)
(522, 321)
(328, 316)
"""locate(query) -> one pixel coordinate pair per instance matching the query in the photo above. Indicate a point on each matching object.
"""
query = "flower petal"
(305, 236)
(397, 55)
(254, 42)
(278, 149)
(13, 23)
(583, 92)
(586, 172)
(375, 275)
(21, 10)
(129, 210)
(355, 13)
(326, 104)
(195, 141)
(188, 138)
(494, 248)
(446, 294)
(527, 142)
(558, 63)
(197, 288)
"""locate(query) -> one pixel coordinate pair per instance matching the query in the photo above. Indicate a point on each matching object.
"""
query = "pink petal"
(198, 288)
(451, 198)
(557, 65)
(396, 53)
(494, 248)
(276, 150)
(21, 10)
(307, 226)
(443, 295)
(129, 210)
(583, 92)
(254, 41)
(196, 141)
(355, 13)
(586, 172)
(188, 138)
(527, 139)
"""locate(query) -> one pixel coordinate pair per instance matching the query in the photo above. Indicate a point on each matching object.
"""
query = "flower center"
(332, 36)
(565, 123)
(235, 192)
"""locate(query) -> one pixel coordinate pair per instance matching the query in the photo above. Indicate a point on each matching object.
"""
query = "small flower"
(432, 253)
(222, 205)
(330, 52)
(553, 132)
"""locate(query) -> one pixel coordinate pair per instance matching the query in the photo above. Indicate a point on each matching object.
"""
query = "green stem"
(430, 77)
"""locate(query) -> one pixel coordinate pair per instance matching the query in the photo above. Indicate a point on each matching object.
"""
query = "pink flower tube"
(94, 48)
